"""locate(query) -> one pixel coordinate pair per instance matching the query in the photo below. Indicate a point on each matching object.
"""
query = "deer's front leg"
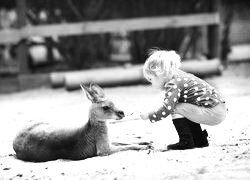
(135, 147)
(103, 146)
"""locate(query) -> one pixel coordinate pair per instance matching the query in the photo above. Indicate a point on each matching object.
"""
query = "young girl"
(190, 100)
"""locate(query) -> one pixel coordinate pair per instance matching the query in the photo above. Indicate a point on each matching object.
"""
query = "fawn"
(39, 142)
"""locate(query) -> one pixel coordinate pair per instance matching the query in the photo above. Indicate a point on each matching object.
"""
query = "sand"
(227, 157)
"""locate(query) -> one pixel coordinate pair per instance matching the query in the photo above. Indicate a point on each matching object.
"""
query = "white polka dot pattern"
(188, 89)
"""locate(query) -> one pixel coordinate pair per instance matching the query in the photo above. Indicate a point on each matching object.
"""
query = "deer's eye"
(105, 108)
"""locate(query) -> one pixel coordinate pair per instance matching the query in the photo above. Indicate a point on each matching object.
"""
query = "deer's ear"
(88, 92)
(97, 90)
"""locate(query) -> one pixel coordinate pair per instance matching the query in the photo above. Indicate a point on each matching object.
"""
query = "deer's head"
(102, 108)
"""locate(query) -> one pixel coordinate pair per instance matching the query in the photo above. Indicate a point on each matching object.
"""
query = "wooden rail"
(109, 26)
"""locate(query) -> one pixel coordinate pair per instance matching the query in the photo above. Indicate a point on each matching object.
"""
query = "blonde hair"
(161, 63)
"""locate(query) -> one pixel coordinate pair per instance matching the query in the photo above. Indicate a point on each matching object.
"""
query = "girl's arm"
(172, 95)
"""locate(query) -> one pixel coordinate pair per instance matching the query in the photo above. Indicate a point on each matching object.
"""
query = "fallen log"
(57, 79)
(105, 77)
(203, 68)
(127, 75)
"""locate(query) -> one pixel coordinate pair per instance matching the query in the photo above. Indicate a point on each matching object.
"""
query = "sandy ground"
(227, 157)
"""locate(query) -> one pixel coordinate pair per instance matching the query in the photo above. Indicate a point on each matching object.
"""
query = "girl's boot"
(185, 135)
(199, 136)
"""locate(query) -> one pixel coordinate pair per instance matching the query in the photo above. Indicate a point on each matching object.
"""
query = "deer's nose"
(121, 114)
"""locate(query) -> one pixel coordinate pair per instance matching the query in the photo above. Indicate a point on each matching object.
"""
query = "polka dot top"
(186, 88)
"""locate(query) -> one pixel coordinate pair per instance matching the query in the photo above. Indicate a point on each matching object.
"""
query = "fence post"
(22, 51)
(214, 46)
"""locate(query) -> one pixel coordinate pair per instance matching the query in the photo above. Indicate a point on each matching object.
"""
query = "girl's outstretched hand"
(144, 116)
(129, 117)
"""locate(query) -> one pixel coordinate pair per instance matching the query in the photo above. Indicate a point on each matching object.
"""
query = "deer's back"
(43, 142)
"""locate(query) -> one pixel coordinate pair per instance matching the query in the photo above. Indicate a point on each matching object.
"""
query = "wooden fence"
(109, 26)
(210, 19)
